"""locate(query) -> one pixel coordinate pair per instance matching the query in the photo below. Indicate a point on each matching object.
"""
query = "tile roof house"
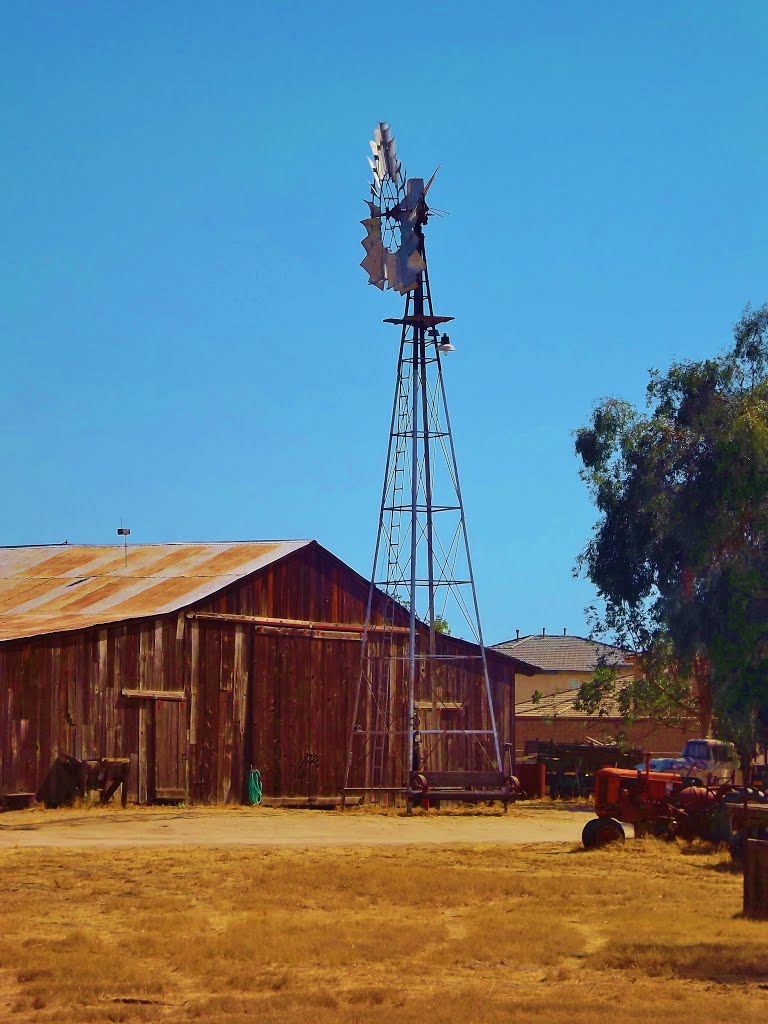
(564, 663)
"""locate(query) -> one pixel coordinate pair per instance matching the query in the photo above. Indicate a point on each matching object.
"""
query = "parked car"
(664, 764)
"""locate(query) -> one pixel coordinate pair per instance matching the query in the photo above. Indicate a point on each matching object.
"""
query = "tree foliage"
(679, 552)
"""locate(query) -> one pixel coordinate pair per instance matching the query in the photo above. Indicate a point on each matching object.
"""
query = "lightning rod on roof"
(124, 532)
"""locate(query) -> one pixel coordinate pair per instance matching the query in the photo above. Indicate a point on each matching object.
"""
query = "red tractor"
(655, 803)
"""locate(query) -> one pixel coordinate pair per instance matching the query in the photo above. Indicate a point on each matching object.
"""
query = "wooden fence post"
(756, 878)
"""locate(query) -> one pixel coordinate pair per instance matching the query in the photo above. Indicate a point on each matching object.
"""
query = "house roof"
(564, 653)
(563, 705)
(55, 587)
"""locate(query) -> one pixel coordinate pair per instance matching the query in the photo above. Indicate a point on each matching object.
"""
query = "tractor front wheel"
(589, 834)
(609, 831)
(601, 831)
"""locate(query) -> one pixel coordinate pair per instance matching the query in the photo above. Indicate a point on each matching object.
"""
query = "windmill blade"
(403, 270)
(374, 268)
(373, 261)
(392, 265)
(372, 165)
(385, 152)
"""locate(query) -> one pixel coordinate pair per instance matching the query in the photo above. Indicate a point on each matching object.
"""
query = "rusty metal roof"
(56, 587)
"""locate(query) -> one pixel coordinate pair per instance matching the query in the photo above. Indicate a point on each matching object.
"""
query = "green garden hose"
(254, 786)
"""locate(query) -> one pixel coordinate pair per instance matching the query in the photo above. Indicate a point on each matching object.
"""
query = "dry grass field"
(647, 931)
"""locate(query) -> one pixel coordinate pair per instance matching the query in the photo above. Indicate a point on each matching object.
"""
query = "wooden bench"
(428, 788)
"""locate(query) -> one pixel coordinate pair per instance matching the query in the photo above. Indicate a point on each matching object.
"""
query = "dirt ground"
(108, 828)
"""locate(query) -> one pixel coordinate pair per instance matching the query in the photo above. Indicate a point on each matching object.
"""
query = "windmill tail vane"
(408, 713)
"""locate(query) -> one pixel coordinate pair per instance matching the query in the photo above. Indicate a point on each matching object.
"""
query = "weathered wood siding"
(61, 693)
(236, 697)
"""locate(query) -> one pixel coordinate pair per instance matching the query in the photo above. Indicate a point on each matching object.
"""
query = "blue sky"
(188, 340)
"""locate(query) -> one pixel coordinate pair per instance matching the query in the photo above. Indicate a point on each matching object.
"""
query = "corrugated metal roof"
(564, 653)
(562, 705)
(58, 587)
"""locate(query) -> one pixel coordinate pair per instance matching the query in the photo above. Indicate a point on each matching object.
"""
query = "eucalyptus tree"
(679, 552)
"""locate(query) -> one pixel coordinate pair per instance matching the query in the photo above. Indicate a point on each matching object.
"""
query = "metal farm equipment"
(655, 803)
(571, 767)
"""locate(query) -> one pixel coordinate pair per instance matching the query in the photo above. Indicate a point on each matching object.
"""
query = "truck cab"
(710, 762)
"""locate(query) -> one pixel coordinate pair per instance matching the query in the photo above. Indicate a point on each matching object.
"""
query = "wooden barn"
(196, 662)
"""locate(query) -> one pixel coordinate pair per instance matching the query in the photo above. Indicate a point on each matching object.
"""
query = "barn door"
(170, 750)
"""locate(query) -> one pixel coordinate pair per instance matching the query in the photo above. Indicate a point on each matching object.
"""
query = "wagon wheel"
(420, 782)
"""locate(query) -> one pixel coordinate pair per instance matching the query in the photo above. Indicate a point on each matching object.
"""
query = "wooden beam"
(293, 632)
(177, 695)
(305, 624)
(322, 634)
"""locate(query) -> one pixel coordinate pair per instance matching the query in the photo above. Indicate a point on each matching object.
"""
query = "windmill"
(406, 715)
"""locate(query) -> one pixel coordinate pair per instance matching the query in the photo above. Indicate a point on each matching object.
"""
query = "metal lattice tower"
(405, 714)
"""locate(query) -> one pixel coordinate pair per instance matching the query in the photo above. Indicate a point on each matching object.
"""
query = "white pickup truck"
(712, 762)
(702, 762)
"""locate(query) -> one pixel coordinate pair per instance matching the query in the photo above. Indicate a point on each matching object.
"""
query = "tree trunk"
(704, 697)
